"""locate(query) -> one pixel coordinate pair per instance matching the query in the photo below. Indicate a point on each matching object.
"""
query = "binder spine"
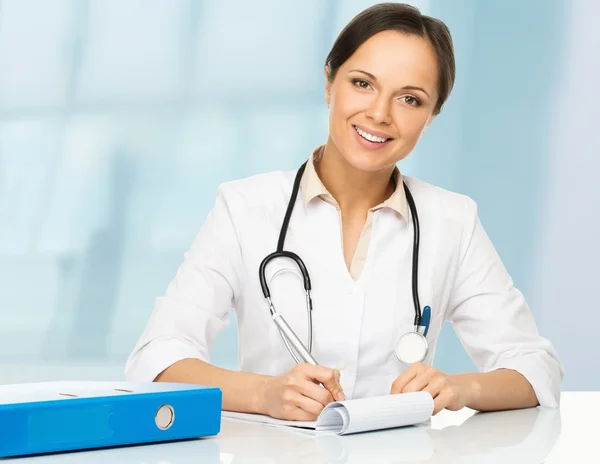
(87, 423)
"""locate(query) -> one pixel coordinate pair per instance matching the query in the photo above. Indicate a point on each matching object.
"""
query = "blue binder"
(38, 418)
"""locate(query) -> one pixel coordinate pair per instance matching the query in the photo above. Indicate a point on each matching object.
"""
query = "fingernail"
(340, 396)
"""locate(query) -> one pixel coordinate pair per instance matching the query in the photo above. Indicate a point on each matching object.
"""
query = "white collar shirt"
(356, 322)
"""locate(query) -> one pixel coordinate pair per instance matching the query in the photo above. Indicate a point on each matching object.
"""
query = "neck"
(355, 191)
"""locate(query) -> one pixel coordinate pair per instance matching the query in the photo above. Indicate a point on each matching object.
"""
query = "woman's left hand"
(446, 390)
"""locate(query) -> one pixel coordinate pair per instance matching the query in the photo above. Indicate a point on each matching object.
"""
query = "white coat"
(356, 323)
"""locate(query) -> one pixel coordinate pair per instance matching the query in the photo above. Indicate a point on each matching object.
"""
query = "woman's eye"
(411, 100)
(360, 83)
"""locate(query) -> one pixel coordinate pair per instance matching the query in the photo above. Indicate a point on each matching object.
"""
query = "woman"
(353, 225)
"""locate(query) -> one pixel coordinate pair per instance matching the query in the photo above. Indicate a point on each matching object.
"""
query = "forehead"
(397, 59)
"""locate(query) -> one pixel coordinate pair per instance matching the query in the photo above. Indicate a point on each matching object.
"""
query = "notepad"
(358, 415)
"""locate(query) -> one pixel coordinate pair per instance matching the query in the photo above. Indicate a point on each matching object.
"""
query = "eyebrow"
(406, 87)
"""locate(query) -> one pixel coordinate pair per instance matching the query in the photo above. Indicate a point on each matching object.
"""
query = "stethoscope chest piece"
(411, 348)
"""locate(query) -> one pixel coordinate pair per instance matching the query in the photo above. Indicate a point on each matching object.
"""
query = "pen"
(293, 339)
(425, 320)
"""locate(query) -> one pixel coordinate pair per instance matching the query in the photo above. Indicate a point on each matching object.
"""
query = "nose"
(379, 110)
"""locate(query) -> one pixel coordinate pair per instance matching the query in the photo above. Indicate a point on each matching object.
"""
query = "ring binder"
(46, 417)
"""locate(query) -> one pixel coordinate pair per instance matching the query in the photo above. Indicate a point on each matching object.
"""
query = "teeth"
(370, 137)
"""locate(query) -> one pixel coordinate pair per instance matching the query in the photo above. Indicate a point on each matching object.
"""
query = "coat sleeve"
(493, 320)
(194, 310)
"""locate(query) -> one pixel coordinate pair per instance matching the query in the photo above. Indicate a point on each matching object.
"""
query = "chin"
(365, 160)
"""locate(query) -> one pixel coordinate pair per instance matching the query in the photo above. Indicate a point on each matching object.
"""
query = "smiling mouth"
(371, 137)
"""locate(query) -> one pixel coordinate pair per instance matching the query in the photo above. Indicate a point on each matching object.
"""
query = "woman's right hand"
(297, 393)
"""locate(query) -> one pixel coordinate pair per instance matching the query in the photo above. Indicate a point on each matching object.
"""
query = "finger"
(316, 392)
(441, 401)
(308, 405)
(420, 381)
(298, 414)
(337, 376)
(330, 378)
(434, 387)
(407, 376)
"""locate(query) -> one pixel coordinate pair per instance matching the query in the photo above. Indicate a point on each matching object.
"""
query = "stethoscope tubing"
(291, 340)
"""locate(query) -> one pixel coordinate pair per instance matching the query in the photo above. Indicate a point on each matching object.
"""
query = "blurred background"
(119, 119)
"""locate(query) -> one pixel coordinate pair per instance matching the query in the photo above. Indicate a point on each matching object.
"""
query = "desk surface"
(524, 436)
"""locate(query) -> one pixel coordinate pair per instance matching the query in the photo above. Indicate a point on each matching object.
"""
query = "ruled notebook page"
(358, 415)
(267, 420)
(380, 412)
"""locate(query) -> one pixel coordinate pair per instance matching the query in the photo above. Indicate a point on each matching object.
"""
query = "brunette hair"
(402, 18)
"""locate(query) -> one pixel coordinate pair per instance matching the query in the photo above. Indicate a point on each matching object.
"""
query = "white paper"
(358, 415)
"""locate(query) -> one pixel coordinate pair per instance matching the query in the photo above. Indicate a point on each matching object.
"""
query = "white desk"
(566, 435)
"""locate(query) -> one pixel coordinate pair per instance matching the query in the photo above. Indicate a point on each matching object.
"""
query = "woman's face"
(382, 99)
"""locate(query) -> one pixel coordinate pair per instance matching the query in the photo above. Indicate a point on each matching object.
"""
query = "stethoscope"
(411, 346)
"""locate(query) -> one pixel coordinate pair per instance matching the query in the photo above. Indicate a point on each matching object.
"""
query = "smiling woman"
(376, 100)
(378, 269)
(388, 76)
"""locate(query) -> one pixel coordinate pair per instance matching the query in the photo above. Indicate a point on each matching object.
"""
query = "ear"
(327, 85)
